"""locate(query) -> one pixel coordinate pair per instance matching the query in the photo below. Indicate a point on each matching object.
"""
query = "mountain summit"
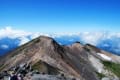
(44, 54)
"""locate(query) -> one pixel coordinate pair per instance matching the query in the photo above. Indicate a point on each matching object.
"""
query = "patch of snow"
(104, 56)
(96, 63)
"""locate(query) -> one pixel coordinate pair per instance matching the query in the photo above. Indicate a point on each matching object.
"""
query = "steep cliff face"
(73, 60)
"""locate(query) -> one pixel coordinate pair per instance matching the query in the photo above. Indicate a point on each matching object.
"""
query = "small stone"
(105, 78)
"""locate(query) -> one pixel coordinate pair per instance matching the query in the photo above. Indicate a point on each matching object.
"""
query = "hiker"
(14, 77)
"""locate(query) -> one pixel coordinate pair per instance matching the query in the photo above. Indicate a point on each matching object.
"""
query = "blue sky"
(61, 15)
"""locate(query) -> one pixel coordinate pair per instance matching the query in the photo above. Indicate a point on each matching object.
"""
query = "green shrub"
(100, 75)
(114, 67)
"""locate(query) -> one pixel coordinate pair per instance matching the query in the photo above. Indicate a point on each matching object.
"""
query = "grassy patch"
(2, 67)
(44, 67)
(115, 68)
(40, 66)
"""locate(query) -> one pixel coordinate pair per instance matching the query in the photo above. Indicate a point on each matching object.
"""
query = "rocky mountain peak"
(46, 55)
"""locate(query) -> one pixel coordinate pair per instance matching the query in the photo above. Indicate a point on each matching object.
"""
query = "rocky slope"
(84, 62)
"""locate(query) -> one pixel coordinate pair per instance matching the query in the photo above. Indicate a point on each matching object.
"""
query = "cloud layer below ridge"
(11, 38)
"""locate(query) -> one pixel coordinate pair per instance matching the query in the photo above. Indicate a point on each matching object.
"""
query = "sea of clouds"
(12, 38)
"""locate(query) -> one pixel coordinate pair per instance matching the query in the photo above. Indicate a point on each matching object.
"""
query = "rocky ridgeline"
(25, 72)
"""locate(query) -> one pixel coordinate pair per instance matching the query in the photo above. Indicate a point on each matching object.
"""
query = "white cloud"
(35, 35)
(4, 46)
(12, 33)
(94, 38)
(91, 37)
(15, 34)
(19, 34)
(87, 37)
(23, 40)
